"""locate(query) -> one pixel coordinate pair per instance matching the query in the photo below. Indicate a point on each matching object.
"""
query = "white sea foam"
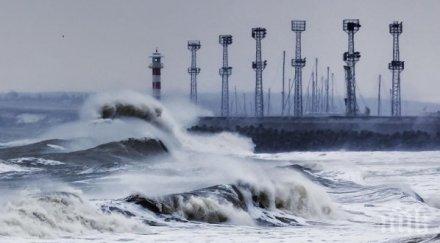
(4, 168)
(35, 161)
(59, 214)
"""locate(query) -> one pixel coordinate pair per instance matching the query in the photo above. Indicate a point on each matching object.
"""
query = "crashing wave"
(239, 203)
(103, 159)
(128, 105)
(60, 214)
(39, 154)
(120, 110)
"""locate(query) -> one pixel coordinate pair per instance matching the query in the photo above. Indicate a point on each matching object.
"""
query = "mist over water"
(129, 165)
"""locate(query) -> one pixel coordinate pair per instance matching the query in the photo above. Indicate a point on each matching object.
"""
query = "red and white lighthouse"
(156, 65)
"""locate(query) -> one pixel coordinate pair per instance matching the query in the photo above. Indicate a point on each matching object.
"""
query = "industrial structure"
(319, 99)
(156, 65)
(298, 63)
(193, 46)
(316, 123)
(258, 65)
(396, 66)
(351, 26)
(225, 71)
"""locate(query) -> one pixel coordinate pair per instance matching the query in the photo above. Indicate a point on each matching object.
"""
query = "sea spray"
(187, 181)
(56, 214)
(269, 197)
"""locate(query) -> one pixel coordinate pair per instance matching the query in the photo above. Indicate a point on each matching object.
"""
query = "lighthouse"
(156, 65)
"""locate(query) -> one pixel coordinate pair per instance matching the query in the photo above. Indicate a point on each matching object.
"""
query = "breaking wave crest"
(284, 202)
(111, 117)
(129, 105)
(60, 214)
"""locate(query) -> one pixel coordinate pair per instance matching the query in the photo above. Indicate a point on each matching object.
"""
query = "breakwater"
(280, 134)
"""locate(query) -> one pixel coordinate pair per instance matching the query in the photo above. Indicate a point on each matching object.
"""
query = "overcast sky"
(106, 44)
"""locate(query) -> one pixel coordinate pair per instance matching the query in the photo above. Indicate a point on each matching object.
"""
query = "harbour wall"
(284, 134)
(383, 125)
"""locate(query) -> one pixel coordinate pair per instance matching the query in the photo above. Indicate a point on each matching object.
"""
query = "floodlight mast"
(298, 26)
(258, 65)
(351, 26)
(396, 66)
(193, 46)
(225, 71)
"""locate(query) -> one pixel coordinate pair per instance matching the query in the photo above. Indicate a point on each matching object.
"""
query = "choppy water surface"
(87, 180)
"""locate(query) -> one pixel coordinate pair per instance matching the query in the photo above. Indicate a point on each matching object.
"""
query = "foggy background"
(105, 45)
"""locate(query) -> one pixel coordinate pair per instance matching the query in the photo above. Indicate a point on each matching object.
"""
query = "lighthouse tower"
(156, 65)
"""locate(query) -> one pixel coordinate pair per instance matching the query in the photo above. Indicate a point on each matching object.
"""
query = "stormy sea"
(123, 167)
